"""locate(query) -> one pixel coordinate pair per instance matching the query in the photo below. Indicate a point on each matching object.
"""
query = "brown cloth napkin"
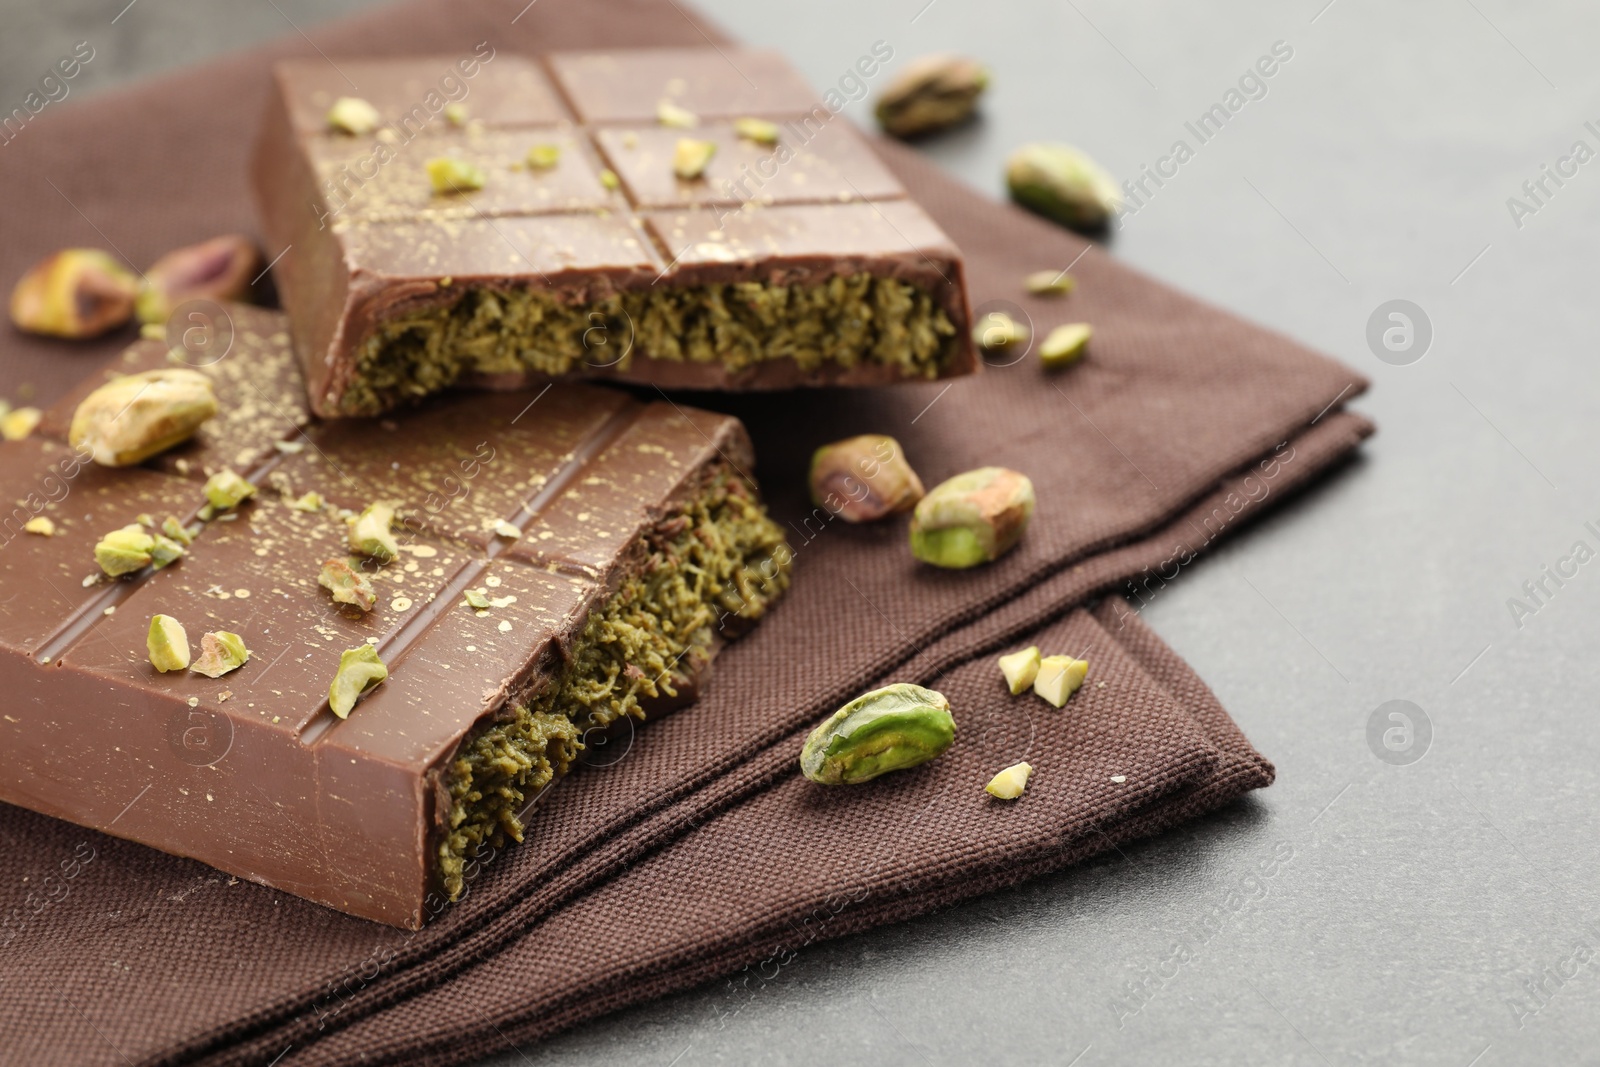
(694, 849)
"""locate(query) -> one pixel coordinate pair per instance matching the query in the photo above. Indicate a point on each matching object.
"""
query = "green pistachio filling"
(717, 561)
(849, 321)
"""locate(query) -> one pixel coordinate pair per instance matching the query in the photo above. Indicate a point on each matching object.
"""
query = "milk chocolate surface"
(251, 772)
(382, 276)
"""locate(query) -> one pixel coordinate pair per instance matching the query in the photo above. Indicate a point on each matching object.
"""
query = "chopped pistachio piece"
(309, 502)
(1050, 283)
(544, 156)
(451, 175)
(758, 130)
(456, 114)
(347, 584)
(1020, 669)
(1009, 783)
(353, 115)
(168, 644)
(1065, 345)
(153, 331)
(477, 599)
(77, 292)
(889, 729)
(174, 529)
(225, 490)
(19, 423)
(609, 179)
(40, 525)
(124, 551)
(502, 528)
(144, 518)
(972, 518)
(164, 550)
(998, 332)
(1059, 677)
(690, 158)
(670, 114)
(220, 652)
(370, 534)
(360, 669)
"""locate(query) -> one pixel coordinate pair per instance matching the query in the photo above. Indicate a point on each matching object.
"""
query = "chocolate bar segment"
(550, 264)
(565, 559)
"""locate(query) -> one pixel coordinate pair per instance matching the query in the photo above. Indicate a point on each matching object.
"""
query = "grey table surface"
(1438, 903)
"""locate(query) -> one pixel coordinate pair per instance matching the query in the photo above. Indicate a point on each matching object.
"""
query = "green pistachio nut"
(164, 550)
(1050, 283)
(680, 118)
(370, 534)
(1065, 345)
(125, 551)
(888, 729)
(930, 94)
(691, 157)
(1020, 669)
(1061, 183)
(168, 644)
(225, 490)
(1009, 783)
(129, 419)
(973, 518)
(450, 175)
(220, 652)
(360, 669)
(1059, 677)
(348, 585)
(544, 156)
(759, 131)
(353, 115)
(863, 479)
(997, 333)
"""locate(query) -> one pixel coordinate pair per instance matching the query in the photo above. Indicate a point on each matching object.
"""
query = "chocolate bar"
(566, 243)
(565, 561)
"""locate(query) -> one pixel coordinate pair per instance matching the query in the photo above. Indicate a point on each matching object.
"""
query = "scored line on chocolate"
(394, 646)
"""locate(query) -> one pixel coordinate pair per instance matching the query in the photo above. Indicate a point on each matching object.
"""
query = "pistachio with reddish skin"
(973, 518)
(226, 489)
(347, 585)
(76, 293)
(219, 269)
(220, 652)
(863, 479)
(129, 419)
(930, 94)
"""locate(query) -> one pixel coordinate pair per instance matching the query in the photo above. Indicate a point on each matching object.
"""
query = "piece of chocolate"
(566, 244)
(564, 559)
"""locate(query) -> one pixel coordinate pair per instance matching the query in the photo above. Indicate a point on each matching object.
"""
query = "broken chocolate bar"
(542, 228)
(561, 561)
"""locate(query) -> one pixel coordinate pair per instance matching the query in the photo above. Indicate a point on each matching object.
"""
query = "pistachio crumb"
(370, 534)
(758, 130)
(670, 114)
(1009, 783)
(450, 175)
(1050, 283)
(353, 115)
(225, 490)
(40, 525)
(456, 113)
(544, 156)
(609, 179)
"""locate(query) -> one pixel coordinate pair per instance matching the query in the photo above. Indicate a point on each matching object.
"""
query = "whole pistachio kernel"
(1050, 283)
(758, 130)
(78, 292)
(219, 269)
(670, 114)
(220, 652)
(225, 490)
(931, 93)
(1020, 669)
(124, 551)
(691, 157)
(353, 115)
(1061, 183)
(449, 175)
(997, 332)
(889, 729)
(863, 479)
(347, 584)
(168, 644)
(370, 534)
(1009, 783)
(1059, 677)
(129, 419)
(973, 518)
(544, 156)
(1065, 345)
(360, 669)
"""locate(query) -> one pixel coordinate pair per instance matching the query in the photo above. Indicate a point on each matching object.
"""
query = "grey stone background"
(1441, 912)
